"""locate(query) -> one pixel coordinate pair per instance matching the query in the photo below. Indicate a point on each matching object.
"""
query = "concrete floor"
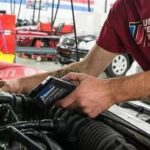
(44, 65)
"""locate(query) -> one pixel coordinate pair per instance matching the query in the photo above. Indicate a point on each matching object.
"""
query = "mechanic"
(126, 30)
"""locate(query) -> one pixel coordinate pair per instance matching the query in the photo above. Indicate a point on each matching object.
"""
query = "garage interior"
(45, 35)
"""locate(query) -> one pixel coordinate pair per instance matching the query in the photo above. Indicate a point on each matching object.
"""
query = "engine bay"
(26, 125)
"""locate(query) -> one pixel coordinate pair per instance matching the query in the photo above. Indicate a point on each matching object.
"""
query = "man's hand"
(92, 96)
(11, 86)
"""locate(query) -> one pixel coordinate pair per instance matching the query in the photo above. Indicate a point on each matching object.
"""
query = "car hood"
(13, 71)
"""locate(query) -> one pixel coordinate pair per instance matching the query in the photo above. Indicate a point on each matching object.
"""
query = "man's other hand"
(11, 86)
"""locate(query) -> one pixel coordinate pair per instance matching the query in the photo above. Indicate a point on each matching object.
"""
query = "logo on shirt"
(140, 31)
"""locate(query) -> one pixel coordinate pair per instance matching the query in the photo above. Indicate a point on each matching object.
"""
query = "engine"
(26, 125)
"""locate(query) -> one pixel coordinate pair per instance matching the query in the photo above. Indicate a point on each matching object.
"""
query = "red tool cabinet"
(7, 34)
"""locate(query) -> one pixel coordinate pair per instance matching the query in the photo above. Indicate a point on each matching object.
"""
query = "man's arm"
(94, 96)
(93, 64)
(132, 87)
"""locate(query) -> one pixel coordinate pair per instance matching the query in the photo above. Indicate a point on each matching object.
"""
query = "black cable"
(38, 124)
(50, 143)
(12, 113)
(52, 15)
(16, 134)
(34, 7)
(54, 19)
(35, 135)
(39, 10)
(19, 9)
(75, 32)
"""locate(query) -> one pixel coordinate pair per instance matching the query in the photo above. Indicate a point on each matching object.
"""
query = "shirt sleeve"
(108, 37)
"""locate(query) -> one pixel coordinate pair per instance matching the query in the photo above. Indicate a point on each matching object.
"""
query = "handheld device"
(51, 90)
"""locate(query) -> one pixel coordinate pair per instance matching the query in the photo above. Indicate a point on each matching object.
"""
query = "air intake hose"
(99, 136)
(87, 134)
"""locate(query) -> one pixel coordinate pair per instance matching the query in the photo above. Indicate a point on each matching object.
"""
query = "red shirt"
(127, 30)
